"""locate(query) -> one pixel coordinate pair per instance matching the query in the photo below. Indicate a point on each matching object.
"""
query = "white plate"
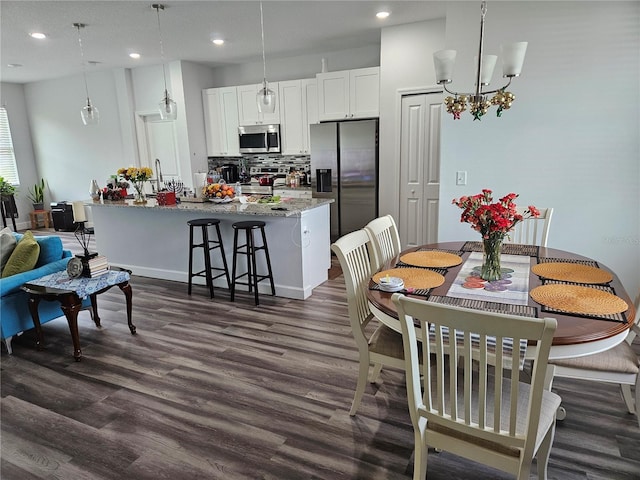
(222, 200)
(394, 288)
(391, 282)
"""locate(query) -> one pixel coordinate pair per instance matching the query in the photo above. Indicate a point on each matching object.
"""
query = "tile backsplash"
(295, 162)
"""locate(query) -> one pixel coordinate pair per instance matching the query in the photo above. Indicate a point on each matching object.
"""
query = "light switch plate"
(461, 177)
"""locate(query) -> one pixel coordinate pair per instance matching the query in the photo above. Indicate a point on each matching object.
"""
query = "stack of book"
(96, 266)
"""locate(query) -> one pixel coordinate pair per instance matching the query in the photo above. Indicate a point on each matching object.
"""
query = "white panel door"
(419, 169)
(248, 107)
(309, 110)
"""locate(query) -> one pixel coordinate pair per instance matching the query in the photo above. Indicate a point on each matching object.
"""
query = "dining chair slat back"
(532, 231)
(381, 347)
(619, 364)
(479, 410)
(385, 238)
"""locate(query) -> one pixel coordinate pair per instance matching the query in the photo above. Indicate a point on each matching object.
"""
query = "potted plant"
(6, 189)
(36, 195)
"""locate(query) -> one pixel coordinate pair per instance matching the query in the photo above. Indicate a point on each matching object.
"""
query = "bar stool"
(249, 249)
(207, 246)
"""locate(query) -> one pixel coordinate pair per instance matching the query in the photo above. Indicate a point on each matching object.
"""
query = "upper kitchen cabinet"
(298, 108)
(221, 121)
(248, 106)
(349, 94)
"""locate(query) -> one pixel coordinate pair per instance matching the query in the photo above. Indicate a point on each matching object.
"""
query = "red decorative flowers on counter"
(492, 219)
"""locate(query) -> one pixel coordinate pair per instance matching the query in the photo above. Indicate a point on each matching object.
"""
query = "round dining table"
(575, 336)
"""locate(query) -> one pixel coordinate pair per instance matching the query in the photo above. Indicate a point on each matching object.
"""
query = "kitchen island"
(153, 240)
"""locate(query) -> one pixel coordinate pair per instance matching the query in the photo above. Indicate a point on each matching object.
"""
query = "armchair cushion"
(24, 257)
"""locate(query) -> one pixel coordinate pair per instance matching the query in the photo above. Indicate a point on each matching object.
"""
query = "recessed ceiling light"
(134, 55)
(218, 41)
(382, 14)
(38, 35)
(14, 65)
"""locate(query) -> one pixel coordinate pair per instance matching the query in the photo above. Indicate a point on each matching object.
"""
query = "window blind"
(8, 168)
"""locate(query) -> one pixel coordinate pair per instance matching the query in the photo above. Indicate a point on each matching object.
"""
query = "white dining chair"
(384, 345)
(476, 411)
(619, 364)
(532, 231)
(385, 238)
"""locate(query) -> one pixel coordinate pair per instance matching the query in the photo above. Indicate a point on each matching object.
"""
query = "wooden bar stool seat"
(249, 249)
(207, 246)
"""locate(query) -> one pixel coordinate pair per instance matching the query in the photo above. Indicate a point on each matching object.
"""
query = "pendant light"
(266, 98)
(89, 113)
(168, 108)
(479, 102)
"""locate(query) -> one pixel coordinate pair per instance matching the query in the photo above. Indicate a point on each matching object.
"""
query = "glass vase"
(491, 248)
(139, 196)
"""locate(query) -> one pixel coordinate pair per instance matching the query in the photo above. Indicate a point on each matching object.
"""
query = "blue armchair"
(15, 317)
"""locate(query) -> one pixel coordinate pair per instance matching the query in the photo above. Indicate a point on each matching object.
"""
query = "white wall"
(12, 97)
(293, 68)
(571, 139)
(68, 154)
(405, 63)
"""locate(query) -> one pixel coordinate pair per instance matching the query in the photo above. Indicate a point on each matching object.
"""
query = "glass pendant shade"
(168, 108)
(266, 99)
(90, 114)
(443, 61)
(486, 70)
(513, 58)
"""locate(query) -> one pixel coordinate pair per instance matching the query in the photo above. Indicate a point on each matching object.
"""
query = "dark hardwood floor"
(210, 389)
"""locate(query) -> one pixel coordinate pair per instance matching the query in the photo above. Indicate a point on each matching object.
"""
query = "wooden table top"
(571, 329)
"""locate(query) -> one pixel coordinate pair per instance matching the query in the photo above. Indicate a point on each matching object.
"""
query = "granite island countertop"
(286, 208)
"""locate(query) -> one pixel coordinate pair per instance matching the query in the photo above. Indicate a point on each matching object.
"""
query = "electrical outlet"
(461, 177)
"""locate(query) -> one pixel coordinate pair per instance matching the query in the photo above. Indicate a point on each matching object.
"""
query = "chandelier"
(266, 98)
(479, 101)
(89, 113)
(168, 108)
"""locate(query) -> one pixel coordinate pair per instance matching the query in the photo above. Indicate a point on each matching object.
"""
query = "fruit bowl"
(219, 192)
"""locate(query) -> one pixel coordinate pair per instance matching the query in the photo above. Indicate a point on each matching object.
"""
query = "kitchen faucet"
(158, 175)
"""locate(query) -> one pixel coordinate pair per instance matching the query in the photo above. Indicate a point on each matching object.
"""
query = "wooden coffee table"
(70, 292)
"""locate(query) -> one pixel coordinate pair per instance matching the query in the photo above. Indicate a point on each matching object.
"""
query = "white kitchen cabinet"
(298, 108)
(349, 94)
(248, 107)
(221, 121)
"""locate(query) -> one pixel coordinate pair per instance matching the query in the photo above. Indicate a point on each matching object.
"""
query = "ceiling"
(116, 28)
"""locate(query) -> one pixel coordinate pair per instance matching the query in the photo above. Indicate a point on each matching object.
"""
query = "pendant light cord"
(264, 62)
(84, 69)
(164, 73)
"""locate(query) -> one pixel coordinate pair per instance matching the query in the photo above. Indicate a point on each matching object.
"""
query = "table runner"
(83, 286)
(517, 292)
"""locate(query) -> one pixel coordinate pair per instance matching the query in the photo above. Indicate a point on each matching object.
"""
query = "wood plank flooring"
(210, 389)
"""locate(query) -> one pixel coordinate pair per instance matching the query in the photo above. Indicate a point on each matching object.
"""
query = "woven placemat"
(413, 277)
(431, 259)
(507, 248)
(572, 272)
(578, 299)
(591, 263)
(523, 310)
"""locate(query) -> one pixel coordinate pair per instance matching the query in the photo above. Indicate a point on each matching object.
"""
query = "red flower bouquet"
(494, 221)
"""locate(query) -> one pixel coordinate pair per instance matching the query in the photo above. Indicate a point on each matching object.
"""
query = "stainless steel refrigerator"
(344, 167)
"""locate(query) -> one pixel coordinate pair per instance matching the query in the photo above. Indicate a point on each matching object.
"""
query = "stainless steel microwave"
(259, 138)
